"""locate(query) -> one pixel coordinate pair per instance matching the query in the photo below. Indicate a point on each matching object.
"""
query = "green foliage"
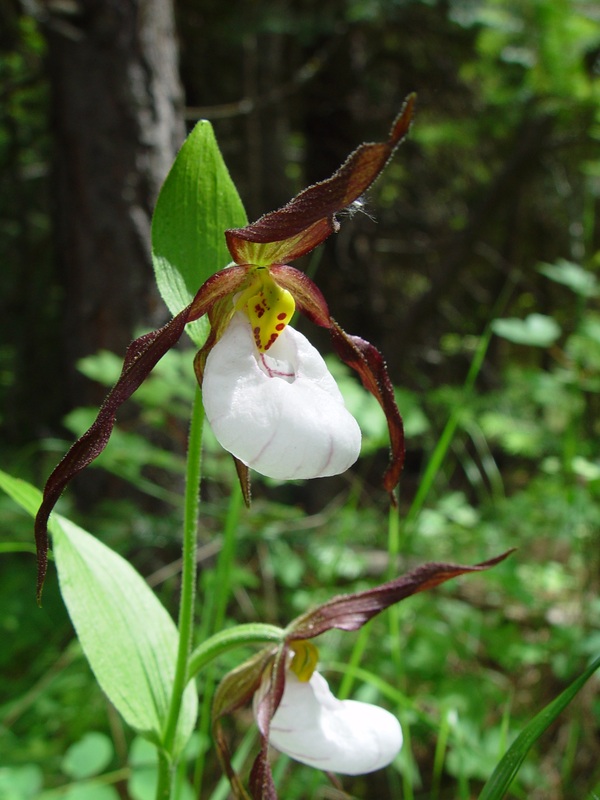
(144, 772)
(537, 330)
(197, 203)
(533, 417)
(126, 634)
(507, 769)
(128, 637)
(20, 783)
(87, 757)
(510, 128)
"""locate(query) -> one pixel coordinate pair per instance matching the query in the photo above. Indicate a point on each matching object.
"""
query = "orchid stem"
(217, 596)
(188, 594)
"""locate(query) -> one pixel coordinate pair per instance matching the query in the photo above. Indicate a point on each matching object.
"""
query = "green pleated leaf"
(508, 767)
(197, 203)
(126, 634)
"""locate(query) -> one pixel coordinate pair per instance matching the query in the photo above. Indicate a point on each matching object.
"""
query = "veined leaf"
(505, 772)
(126, 634)
(197, 203)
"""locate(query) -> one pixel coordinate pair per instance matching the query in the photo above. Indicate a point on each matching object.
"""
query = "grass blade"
(508, 767)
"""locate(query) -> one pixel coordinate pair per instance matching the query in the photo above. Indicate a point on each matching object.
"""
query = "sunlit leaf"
(197, 203)
(23, 493)
(126, 634)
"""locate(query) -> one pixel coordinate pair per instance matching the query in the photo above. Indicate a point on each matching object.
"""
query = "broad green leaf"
(536, 330)
(126, 634)
(198, 202)
(87, 757)
(508, 767)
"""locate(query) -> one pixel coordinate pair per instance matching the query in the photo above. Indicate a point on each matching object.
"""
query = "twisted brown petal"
(369, 364)
(140, 359)
(350, 612)
(307, 295)
(236, 690)
(261, 784)
(308, 219)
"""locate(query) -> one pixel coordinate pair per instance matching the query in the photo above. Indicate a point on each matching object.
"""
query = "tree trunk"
(117, 123)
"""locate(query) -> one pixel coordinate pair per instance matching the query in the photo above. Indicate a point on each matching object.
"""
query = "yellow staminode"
(304, 661)
(268, 306)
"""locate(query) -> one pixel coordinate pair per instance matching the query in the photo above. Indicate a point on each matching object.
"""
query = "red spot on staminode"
(279, 327)
(272, 339)
(283, 315)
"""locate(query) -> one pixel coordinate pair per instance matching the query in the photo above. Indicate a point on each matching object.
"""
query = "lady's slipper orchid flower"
(280, 411)
(343, 736)
(262, 287)
(293, 707)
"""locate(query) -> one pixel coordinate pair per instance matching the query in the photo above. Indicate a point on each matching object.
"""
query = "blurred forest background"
(472, 266)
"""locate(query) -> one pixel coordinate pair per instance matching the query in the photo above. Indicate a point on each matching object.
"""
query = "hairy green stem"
(240, 636)
(188, 595)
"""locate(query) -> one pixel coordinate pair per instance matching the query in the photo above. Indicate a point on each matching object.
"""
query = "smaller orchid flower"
(294, 709)
(312, 726)
(267, 393)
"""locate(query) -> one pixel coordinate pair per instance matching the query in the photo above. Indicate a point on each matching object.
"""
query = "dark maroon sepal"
(307, 295)
(140, 359)
(368, 362)
(349, 612)
(281, 236)
(262, 786)
(236, 690)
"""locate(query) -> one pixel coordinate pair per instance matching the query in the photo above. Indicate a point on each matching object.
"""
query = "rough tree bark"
(117, 124)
